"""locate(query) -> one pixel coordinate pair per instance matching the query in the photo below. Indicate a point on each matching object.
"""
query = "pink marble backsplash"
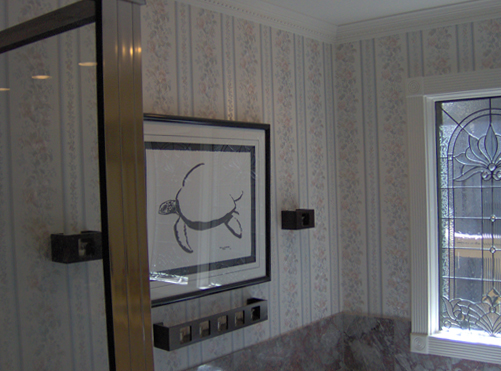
(342, 342)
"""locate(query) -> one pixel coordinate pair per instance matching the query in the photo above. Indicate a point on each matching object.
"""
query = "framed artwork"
(208, 205)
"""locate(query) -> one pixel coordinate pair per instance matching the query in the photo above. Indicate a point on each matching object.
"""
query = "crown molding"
(273, 16)
(288, 20)
(414, 21)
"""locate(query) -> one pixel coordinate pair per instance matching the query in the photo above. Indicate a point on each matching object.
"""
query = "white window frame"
(422, 93)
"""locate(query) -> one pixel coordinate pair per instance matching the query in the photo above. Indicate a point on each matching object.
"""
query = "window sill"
(466, 346)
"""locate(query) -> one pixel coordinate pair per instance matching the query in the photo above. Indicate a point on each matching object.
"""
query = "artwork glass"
(207, 205)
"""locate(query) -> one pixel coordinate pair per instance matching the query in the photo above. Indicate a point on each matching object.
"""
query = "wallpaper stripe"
(10, 355)
(160, 81)
(316, 178)
(72, 203)
(208, 99)
(488, 42)
(391, 69)
(415, 54)
(371, 159)
(245, 49)
(249, 84)
(68, 112)
(12, 238)
(350, 162)
(184, 53)
(301, 134)
(440, 51)
(71, 194)
(285, 165)
(34, 166)
(458, 57)
(465, 47)
(269, 114)
(227, 34)
(332, 188)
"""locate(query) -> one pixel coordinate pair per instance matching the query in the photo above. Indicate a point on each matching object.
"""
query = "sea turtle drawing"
(185, 221)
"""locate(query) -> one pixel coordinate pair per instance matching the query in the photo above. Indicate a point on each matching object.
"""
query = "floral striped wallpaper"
(353, 172)
(203, 63)
(52, 316)
(372, 156)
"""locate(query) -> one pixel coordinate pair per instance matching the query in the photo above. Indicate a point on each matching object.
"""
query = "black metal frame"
(232, 124)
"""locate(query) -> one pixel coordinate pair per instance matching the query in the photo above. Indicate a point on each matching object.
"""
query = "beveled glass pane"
(478, 126)
(468, 289)
(496, 103)
(466, 201)
(468, 233)
(468, 263)
(459, 110)
(487, 203)
(49, 184)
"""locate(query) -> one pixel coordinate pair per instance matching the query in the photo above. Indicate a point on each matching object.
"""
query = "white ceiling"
(342, 12)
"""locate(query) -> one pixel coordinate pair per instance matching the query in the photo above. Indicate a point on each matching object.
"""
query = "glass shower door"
(52, 315)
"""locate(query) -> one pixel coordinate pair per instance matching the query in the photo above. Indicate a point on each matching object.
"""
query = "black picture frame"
(208, 205)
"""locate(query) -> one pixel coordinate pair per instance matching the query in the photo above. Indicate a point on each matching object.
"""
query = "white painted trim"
(415, 21)
(442, 346)
(422, 93)
(273, 16)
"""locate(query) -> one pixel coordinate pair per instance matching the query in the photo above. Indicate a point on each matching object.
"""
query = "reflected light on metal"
(41, 77)
(87, 64)
(4, 89)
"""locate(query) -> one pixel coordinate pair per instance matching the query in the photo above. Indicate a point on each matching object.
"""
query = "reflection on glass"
(169, 278)
(49, 183)
(16, 12)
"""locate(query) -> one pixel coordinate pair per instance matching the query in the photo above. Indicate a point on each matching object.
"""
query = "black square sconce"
(77, 247)
(298, 219)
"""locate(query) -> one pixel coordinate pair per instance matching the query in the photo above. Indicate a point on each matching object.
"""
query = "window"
(455, 188)
(469, 214)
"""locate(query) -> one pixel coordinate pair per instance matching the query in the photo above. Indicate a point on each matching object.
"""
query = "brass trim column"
(125, 209)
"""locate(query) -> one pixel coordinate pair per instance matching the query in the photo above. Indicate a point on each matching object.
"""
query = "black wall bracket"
(77, 247)
(178, 336)
(298, 219)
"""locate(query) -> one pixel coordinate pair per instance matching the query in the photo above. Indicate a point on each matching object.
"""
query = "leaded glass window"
(469, 198)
